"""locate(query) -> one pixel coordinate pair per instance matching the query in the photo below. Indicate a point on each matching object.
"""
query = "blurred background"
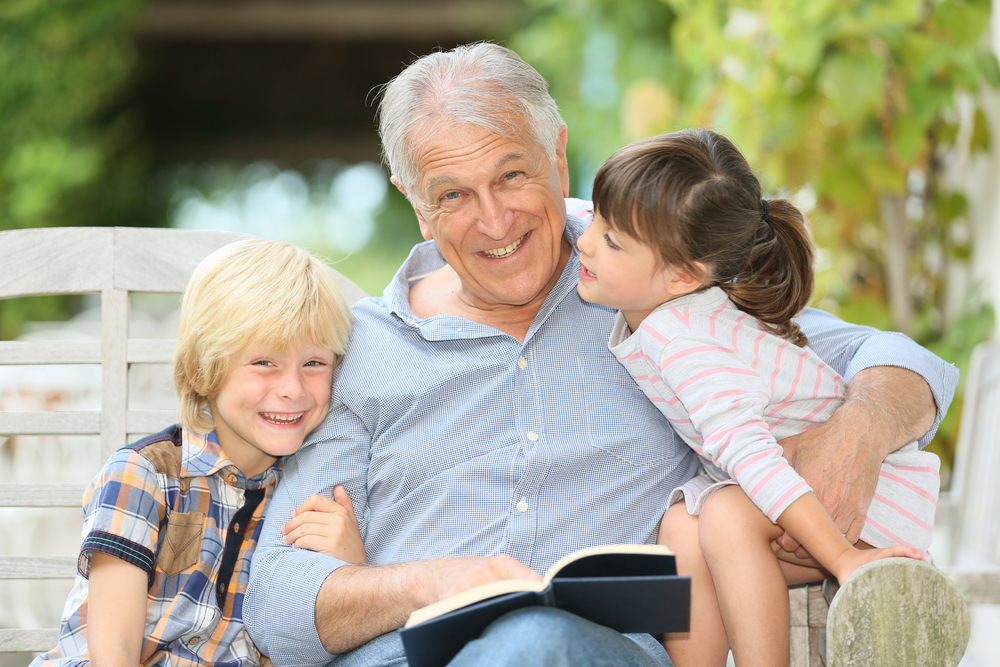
(880, 118)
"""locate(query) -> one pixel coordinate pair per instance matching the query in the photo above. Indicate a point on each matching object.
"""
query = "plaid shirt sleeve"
(123, 512)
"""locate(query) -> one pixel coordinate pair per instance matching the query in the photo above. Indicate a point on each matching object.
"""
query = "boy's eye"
(314, 362)
(263, 362)
(611, 244)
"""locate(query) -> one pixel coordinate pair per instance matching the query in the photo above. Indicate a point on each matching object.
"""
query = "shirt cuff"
(896, 349)
(282, 610)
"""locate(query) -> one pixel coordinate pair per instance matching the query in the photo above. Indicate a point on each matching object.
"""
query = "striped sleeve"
(123, 510)
(725, 399)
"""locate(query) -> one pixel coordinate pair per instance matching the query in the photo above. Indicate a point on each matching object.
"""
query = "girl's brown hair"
(694, 198)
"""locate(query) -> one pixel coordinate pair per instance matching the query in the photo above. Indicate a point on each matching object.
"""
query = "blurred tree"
(69, 153)
(856, 106)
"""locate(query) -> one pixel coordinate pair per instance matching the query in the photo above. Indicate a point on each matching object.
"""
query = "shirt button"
(222, 589)
(522, 363)
(194, 641)
(236, 527)
(522, 505)
(532, 436)
(231, 478)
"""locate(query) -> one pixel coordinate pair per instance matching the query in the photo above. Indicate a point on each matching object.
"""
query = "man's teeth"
(504, 252)
(275, 418)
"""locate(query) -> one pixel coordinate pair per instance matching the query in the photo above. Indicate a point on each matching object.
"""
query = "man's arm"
(357, 603)
(898, 392)
(302, 607)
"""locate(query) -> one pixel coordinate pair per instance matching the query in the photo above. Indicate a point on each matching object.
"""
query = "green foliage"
(64, 63)
(848, 103)
(68, 148)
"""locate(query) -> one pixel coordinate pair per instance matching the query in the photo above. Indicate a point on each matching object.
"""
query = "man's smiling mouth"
(506, 251)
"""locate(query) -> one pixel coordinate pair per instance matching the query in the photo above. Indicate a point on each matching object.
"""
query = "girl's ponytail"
(776, 282)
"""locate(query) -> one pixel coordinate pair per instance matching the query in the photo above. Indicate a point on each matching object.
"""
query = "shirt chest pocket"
(180, 548)
(620, 419)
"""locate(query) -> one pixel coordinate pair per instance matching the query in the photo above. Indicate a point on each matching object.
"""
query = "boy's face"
(621, 272)
(270, 402)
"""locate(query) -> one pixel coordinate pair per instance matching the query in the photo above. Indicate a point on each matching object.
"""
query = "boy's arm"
(116, 611)
(898, 392)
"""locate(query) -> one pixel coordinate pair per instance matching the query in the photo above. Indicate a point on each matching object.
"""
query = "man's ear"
(561, 162)
(425, 229)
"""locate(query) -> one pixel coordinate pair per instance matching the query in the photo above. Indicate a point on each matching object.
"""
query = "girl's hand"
(851, 559)
(327, 526)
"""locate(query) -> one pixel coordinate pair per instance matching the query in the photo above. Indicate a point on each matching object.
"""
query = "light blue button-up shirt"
(455, 439)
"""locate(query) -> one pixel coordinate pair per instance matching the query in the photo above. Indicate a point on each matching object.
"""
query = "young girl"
(707, 277)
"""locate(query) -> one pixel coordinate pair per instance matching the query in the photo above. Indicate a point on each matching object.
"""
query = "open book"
(629, 588)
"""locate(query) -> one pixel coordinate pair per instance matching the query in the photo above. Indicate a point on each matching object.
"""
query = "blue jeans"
(530, 637)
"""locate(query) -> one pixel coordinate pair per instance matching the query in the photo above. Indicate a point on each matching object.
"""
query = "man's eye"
(451, 196)
(611, 244)
(511, 175)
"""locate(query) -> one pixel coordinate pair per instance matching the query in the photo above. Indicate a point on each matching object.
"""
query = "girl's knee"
(729, 516)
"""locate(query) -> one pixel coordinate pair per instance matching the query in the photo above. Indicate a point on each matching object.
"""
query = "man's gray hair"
(484, 84)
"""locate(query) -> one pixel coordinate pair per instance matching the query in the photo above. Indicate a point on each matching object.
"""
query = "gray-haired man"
(479, 422)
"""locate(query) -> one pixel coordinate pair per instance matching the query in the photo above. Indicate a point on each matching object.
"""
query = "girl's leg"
(706, 643)
(735, 538)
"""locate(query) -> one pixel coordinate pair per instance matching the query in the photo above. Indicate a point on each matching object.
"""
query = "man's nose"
(493, 217)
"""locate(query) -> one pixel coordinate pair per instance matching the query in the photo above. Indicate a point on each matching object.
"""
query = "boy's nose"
(291, 385)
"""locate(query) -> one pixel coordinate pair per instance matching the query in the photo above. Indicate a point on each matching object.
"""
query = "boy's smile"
(270, 402)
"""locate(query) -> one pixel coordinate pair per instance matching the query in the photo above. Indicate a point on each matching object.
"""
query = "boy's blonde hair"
(251, 293)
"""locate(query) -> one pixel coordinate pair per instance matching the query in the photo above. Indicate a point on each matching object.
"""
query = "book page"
(477, 594)
(654, 549)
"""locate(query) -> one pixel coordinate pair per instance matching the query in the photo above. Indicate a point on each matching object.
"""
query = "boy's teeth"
(280, 419)
(503, 252)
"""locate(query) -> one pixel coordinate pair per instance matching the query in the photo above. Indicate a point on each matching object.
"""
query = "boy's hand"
(327, 526)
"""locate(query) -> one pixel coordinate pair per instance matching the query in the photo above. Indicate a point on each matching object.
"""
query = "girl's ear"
(687, 280)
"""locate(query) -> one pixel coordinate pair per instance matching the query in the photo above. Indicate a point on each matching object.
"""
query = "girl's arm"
(116, 615)
(808, 522)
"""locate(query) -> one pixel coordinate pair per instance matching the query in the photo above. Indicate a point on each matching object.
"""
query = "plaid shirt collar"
(203, 456)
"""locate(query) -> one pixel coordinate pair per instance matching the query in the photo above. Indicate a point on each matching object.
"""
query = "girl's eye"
(611, 244)
(314, 362)
(263, 362)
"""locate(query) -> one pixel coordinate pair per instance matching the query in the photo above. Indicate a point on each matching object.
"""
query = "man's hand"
(451, 576)
(885, 408)
(357, 604)
(327, 526)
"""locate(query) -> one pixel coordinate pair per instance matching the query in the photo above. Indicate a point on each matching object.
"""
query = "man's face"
(494, 206)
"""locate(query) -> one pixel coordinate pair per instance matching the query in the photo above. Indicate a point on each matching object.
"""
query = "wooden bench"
(863, 619)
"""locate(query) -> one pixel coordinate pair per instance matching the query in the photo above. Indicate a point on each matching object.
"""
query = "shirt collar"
(203, 456)
(424, 259)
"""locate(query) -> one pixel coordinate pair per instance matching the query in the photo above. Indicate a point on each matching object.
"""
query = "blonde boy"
(171, 522)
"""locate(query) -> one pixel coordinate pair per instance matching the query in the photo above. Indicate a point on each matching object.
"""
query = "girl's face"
(621, 272)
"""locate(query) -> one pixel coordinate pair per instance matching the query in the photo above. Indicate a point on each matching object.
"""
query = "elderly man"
(480, 424)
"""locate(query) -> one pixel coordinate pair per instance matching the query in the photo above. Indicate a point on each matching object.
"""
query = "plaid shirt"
(173, 505)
